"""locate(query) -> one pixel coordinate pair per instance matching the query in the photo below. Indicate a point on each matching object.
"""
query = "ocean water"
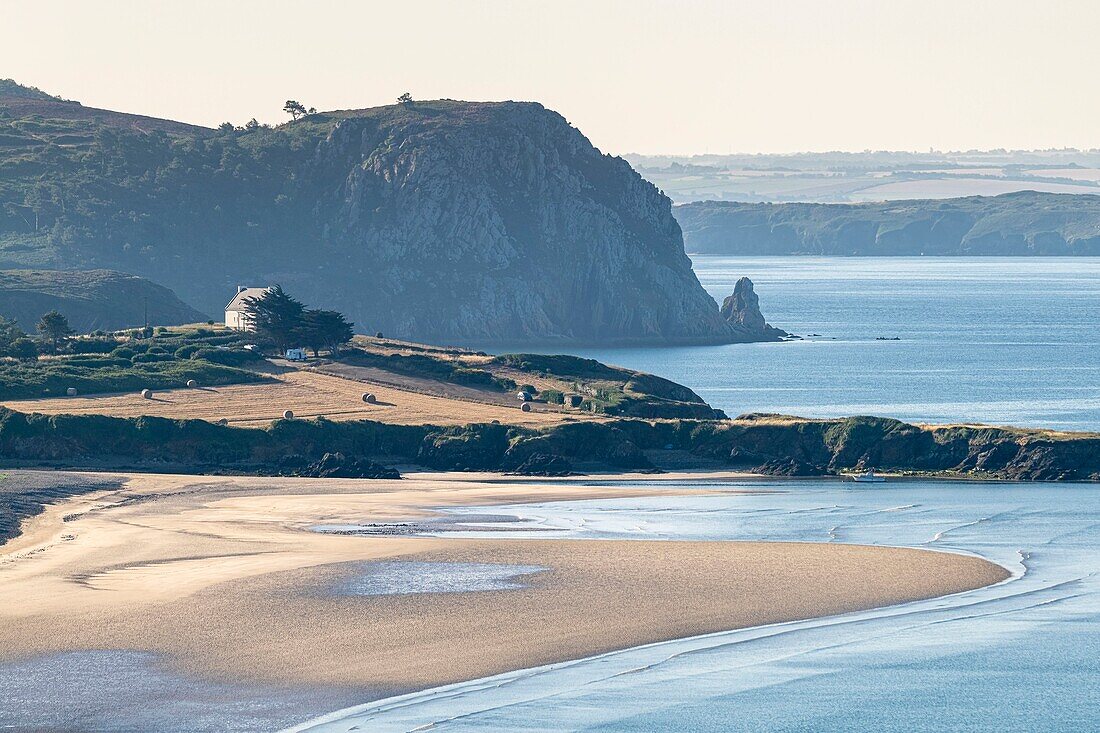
(1022, 655)
(996, 340)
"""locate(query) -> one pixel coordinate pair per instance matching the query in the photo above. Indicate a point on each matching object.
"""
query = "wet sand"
(223, 579)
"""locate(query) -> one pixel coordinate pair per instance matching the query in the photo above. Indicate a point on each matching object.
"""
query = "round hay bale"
(526, 407)
(288, 414)
(147, 394)
(191, 383)
(369, 398)
(71, 391)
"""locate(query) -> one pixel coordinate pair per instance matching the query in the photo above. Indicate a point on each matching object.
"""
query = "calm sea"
(996, 340)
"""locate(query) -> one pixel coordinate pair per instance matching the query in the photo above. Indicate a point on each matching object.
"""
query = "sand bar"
(222, 577)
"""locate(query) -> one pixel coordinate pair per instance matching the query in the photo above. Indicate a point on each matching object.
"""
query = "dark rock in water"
(544, 464)
(742, 311)
(337, 465)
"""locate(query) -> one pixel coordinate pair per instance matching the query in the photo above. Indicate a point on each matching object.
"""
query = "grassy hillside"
(1026, 223)
(90, 299)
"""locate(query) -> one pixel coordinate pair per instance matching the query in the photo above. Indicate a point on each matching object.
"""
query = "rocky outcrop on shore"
(741, 311)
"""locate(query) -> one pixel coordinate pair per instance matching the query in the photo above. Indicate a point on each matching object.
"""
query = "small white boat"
(867, 477)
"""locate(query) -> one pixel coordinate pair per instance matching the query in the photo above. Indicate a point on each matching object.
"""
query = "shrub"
(95, 361)
(185, 352)
(561, 365)
(553, 396)
(23, 348)
(227, 357)
(149, 357)
(92, 346)
(123, 352)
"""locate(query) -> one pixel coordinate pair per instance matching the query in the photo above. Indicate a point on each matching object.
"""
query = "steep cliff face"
(440, 221)
(486, 222)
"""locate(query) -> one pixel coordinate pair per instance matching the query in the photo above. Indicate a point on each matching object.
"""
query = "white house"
(236, 313)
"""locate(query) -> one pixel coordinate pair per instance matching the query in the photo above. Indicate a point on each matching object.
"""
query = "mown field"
(306, 394)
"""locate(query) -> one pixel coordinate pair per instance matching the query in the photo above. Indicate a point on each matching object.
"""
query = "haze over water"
(984, 339)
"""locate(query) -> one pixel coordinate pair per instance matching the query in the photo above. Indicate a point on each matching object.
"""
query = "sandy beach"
(223, 578)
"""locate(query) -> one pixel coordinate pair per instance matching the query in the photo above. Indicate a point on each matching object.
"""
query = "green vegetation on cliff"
(1025, 223)
(610, 390)
(765, 444)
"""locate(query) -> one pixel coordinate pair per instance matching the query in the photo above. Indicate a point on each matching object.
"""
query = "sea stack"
(742, 312)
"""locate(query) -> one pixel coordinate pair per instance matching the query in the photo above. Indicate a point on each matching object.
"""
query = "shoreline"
(239, 589)
(349, 718)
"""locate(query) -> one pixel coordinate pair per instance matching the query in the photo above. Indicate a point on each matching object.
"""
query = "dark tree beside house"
(323, 329)
(9, 332)
(54, 329)
(276, 316)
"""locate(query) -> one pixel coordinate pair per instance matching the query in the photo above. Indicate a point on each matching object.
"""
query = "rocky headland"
(440, 221)
(763, 444)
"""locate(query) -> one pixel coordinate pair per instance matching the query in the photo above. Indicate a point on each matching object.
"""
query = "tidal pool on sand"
(397, 577)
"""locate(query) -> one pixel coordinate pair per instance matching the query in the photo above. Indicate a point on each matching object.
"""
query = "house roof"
(237, 304)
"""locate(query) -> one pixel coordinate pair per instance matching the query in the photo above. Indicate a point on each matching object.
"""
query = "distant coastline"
(1015, 224)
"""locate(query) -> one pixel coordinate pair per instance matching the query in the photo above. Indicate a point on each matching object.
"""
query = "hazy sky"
(639, 76)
